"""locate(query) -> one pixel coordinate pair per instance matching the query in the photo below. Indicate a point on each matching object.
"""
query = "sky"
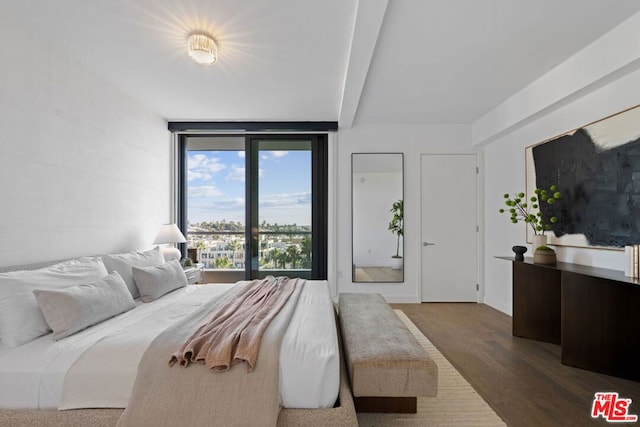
(216, 186)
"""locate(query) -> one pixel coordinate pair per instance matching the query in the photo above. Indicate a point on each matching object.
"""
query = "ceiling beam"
(612, 56)
(368, 21)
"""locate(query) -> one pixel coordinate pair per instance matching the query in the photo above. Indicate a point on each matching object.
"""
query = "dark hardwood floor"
(523, 380)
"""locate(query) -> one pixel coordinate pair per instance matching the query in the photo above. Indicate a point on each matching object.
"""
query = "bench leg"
(399, 405)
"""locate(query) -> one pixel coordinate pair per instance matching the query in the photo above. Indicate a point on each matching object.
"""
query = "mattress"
(33, 375)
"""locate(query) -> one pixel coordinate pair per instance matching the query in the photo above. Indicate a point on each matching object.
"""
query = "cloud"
(194, 175)
(278, 200)
(274, 154)
(281, 208)
(207, 210)
(204, 191)
(229, 204)
(215, 207)
(237, 174)
(282, 200)
(202, 167)
(241, 154)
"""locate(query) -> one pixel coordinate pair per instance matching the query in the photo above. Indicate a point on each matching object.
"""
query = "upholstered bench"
(387, 365)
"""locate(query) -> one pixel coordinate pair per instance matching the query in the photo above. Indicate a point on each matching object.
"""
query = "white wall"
(373, 196)
(412, 140)
(504, 166)
(83, 168)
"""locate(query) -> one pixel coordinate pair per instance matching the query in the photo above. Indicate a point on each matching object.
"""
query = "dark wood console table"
(593, 313)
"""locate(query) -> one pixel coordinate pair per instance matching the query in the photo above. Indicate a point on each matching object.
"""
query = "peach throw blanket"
(234, 332)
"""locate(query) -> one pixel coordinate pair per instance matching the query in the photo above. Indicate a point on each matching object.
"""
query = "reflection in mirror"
(377, 217)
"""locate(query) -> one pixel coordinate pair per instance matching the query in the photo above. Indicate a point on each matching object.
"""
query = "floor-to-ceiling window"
(255, 205)
(215, 202)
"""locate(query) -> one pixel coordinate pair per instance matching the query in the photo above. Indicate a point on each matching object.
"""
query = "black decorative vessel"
(519, 251)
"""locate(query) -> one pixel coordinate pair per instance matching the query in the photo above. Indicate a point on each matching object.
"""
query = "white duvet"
(97, 367)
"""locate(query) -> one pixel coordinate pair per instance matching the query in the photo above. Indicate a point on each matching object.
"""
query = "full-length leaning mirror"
(377, 203)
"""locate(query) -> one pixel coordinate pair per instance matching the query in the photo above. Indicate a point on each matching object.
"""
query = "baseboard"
(498, 305)
(374, 264)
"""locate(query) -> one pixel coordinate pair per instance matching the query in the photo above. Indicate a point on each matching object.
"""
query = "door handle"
(428, 244)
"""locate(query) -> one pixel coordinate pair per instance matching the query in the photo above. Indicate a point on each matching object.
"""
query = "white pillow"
(154, 282)
(21, 319)
(75, 308)
(122, 263)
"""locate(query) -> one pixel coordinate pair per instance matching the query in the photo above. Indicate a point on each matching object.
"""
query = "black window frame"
(319, 191)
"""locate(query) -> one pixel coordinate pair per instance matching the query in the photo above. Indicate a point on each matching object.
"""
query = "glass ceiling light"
(202, 48)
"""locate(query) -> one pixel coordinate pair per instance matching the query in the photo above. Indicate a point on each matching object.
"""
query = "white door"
(449, 227)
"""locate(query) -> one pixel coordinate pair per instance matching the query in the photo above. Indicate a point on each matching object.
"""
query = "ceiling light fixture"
(202, 48)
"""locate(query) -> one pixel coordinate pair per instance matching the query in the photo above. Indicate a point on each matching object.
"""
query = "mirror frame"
(402, 246)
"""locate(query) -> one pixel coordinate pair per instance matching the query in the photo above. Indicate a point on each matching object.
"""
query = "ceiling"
(356, 62)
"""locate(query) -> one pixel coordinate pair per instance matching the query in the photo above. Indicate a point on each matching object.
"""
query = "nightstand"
(195, 273)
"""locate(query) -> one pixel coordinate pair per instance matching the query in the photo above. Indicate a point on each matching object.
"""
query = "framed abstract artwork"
(597, 169)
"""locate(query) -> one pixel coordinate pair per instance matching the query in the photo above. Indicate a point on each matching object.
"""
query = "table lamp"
(169, 234)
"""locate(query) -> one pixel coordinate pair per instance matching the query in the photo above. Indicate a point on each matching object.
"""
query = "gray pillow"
(122, 263)
(75, 308)
(153, 282)
(21, 319)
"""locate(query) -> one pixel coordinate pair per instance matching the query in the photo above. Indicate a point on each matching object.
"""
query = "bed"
(97, 367)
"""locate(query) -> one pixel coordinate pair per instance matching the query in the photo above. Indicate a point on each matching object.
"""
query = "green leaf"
(528, 211)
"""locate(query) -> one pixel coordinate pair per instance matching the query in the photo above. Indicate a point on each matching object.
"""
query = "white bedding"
(32, 375)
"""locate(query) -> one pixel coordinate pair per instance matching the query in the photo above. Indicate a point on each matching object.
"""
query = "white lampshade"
(170, 234)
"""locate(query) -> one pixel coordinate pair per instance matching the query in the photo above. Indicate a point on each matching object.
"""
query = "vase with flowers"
(530, 212)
